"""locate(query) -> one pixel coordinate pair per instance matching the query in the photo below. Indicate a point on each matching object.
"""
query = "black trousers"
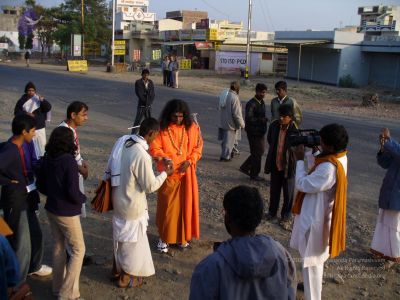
(166, 77)
(278, 183)
(142, 112)
(252, 164)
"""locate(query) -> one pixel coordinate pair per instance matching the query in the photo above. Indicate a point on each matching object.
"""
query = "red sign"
(203, 45)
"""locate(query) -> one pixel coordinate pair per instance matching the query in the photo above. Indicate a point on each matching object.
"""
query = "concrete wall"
(169, 24)
(353, 62)
(384, 69)
(317, 64)
(13, 36)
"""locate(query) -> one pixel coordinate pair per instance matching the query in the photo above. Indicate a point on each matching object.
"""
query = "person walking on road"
(230, 121)
(144, 90)
(256, 128)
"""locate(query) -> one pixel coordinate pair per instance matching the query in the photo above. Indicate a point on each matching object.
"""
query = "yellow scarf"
(337, 235)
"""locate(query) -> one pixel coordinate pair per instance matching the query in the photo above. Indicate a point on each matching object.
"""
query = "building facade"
(379, 20)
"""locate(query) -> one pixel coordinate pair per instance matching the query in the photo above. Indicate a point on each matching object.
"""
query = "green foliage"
(96, 21)
(347, 81)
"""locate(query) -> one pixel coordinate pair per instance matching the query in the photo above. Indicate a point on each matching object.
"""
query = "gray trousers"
(228, 138)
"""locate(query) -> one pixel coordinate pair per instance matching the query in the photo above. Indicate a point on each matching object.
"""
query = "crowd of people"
(162, 156)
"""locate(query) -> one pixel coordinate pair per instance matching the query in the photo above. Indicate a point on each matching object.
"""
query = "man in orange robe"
(178, 198)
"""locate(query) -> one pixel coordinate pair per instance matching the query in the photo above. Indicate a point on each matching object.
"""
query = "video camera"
(307, 137)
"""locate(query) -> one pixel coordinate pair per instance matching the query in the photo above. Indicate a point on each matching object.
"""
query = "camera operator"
(319, 229)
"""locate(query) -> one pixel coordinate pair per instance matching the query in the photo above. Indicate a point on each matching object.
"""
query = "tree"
(96, 20)
(45, 29)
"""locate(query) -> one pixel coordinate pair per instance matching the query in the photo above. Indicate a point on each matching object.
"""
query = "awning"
(177, 43)
(301, 42)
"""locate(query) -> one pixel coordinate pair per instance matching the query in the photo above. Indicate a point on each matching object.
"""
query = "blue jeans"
(20, 240)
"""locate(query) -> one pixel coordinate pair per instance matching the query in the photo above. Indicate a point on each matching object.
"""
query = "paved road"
(117, 99)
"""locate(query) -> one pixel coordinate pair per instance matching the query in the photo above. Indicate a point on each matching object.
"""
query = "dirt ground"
(354, 275)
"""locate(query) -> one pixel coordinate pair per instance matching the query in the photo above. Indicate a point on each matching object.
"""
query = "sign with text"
(3, 45)
(185, 64)
(199, 34)
(203, 45)
(137, 14)
(232, 62)
(119, 47)
(157, 54)
(76, 44)
(212, 34)
(77, 66)
(133, 2)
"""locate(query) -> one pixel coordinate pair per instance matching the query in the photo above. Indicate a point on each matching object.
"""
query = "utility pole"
(113, 33)
(83, 27)
(246, 76)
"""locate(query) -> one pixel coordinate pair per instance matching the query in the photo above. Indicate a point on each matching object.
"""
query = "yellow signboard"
(185, 64)
(77, 66)
(156, 54)
(212, 34)
(119, 47)
(119, 52)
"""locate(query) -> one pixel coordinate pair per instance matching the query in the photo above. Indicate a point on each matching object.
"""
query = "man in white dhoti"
(130, 167)
(386, 240)
(319, 229)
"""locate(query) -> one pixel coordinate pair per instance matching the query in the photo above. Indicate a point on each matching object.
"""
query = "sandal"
(135, 282)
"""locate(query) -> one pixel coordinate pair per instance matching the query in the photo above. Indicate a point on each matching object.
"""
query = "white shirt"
(281, 100)
(311, 228)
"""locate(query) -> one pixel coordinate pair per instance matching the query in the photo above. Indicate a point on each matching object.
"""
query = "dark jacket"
(59, 175)
(255, 267)
(255, 118)
(389, 196)
(40, 113)
(288, 156)
(146, 96)
(13, 195)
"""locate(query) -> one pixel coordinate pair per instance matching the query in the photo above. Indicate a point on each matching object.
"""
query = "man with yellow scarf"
(319, 229)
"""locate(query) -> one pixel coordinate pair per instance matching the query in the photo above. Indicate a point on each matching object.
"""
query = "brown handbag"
(102, 201)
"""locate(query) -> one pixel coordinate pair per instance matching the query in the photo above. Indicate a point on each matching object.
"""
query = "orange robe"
(178, 198)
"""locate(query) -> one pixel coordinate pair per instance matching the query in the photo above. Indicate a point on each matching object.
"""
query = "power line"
(263, 13)
(269, 16)
(216, 9)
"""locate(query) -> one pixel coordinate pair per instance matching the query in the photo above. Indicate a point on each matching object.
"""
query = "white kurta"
(310, 235)
(386, 240)
(39, 141)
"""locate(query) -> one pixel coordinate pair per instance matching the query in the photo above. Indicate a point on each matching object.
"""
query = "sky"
(268, 15)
